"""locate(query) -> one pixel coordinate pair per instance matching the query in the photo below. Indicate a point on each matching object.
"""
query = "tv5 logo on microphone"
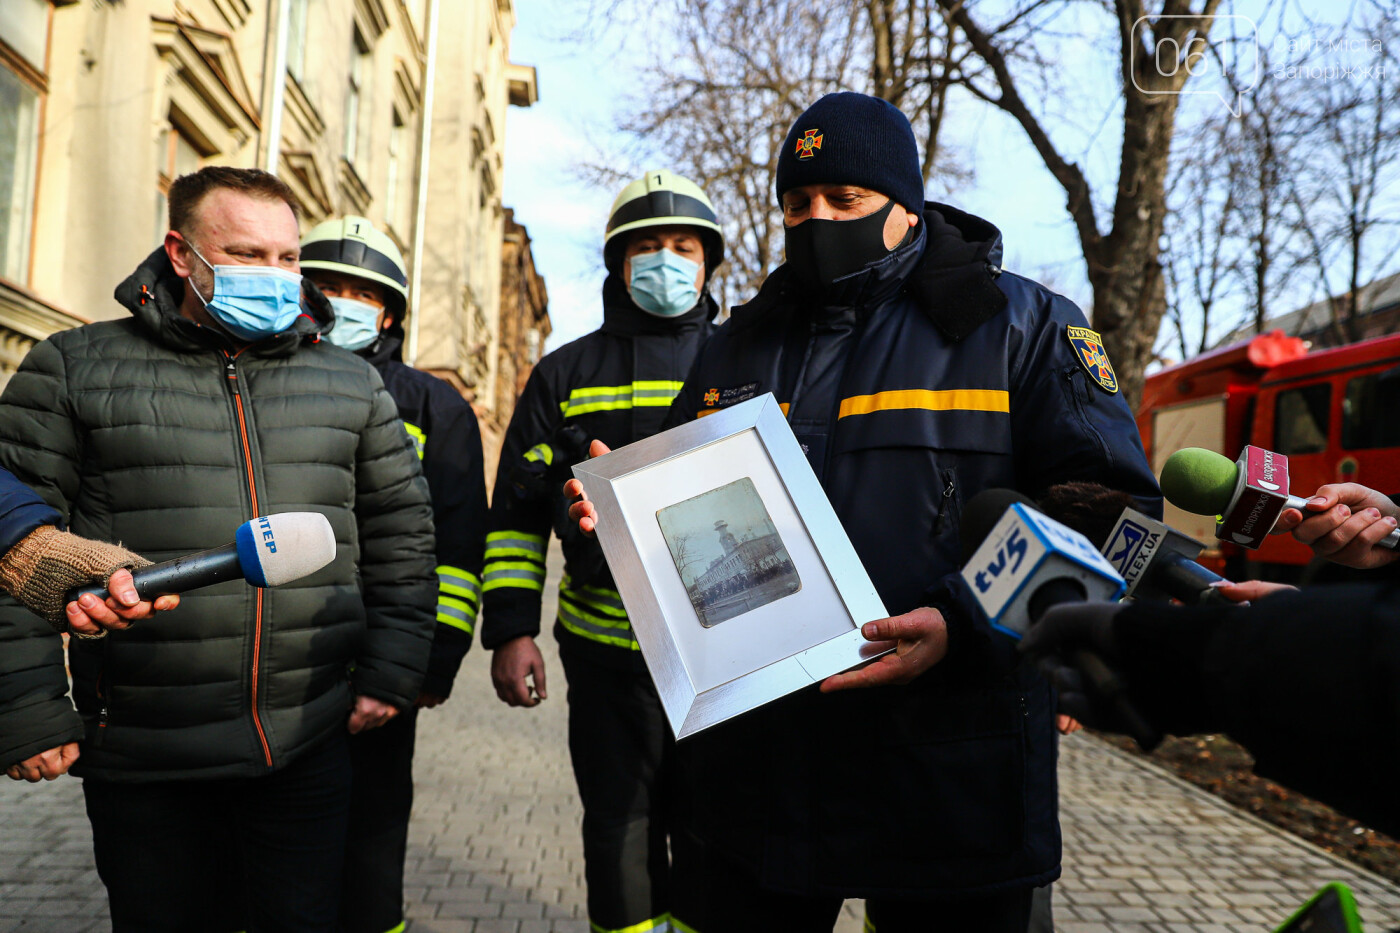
(1024, 550)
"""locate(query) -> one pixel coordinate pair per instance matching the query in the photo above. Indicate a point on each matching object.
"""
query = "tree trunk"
(1124, 264)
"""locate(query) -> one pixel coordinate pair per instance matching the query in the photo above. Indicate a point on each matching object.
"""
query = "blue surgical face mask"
(663, 283)
(252, 302)
(356, 323)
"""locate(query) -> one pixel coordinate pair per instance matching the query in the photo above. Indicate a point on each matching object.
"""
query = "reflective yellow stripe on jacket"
(661, 924)
(420, 440)
(646, 393)
(595, 613)
(459, 598)
(513, 558)
(927, 399)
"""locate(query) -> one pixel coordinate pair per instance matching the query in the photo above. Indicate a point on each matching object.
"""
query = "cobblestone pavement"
(495, 845)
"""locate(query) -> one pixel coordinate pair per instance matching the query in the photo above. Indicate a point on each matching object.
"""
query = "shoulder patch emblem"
(1089, 351)
(810, 142)
(711, 397)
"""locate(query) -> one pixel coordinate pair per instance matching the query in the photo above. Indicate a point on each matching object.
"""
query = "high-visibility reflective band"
(521, 574)
(454, 581)
(457, 613)
(645, 393)
(782, 406)
(678, 927)
(513, 558)
(599, 598)
(869, 924)
(403, 925)
(655, 392)
(415, 434)
(588, 613)
(662, 924)
(503, 544)
(928, 399)
(540, 452)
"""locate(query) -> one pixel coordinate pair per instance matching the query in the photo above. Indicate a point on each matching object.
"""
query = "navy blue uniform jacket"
(933, 376)
(616, 385)
(447, 440)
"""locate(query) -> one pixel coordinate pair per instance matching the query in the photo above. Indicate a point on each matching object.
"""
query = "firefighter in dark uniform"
(362, 272)
(661, 247)
(915, 372)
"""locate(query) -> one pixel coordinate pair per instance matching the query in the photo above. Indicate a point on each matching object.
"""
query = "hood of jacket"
(622, 316)
(952, 277)
(153, 294)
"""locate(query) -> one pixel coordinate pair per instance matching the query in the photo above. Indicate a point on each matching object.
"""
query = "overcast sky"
(583, 83)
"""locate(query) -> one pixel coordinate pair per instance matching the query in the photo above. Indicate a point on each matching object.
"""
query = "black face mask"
(822, 251)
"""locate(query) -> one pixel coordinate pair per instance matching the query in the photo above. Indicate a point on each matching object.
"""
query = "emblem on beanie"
(711, 397)
(1088, 349)
(808, 145)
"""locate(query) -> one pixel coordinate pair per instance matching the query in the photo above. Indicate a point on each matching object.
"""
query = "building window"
(393, 199)
(24, 30)
(24, 27)
(359, 72)
(1301, 419)
(1371, 411)
(176, 155)
(296, 38)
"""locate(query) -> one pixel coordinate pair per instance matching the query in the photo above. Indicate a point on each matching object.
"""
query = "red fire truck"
(1335, 414)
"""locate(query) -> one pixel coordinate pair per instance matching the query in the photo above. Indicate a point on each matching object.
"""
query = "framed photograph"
(740, 582)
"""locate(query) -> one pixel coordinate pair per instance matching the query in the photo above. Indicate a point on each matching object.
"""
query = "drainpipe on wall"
(420, 219)
(279, 88)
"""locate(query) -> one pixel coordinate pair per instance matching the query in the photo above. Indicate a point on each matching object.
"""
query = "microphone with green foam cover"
(1200, 481)
(1204, 482)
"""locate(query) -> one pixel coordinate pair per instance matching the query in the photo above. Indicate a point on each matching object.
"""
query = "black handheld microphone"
(268, 551)
(1156, 561)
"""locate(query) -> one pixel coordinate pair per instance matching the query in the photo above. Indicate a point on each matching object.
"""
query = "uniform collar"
(952, 276)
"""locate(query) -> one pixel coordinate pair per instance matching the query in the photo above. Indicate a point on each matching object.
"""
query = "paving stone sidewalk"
(495, 841)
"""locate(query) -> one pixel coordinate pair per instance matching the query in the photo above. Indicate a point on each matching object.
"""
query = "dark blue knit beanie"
(854, 139)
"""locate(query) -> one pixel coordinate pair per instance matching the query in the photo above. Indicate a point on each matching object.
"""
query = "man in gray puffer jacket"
(213, 737)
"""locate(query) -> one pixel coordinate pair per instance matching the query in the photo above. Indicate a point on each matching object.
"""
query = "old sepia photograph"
(728, 552)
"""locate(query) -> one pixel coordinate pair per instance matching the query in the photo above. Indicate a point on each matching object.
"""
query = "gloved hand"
(41, 569)
(1065, 630)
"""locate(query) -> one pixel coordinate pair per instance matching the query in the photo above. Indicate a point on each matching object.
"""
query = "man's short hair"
(188, 190)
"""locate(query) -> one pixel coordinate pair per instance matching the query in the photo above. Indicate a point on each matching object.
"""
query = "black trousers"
(716, 895)
(621, 748)
(258, 854)
(381, 800)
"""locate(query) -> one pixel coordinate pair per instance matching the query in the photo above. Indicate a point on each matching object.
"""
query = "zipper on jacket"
(103, 713)
(231, 371)
(946, 505)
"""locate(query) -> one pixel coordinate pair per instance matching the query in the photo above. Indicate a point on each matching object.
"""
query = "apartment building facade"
(103, 104)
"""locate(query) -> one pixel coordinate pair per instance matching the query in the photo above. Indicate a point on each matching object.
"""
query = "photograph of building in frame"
(728, 552)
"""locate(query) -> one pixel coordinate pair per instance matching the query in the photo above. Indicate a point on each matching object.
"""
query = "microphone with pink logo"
(1246, 496)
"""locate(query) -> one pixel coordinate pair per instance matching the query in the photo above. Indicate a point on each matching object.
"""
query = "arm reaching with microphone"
(1345, 523)
(1307, 681)
(40, 570)
(39, 564)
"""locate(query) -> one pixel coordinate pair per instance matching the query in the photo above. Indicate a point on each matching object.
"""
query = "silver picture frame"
(806, 595)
